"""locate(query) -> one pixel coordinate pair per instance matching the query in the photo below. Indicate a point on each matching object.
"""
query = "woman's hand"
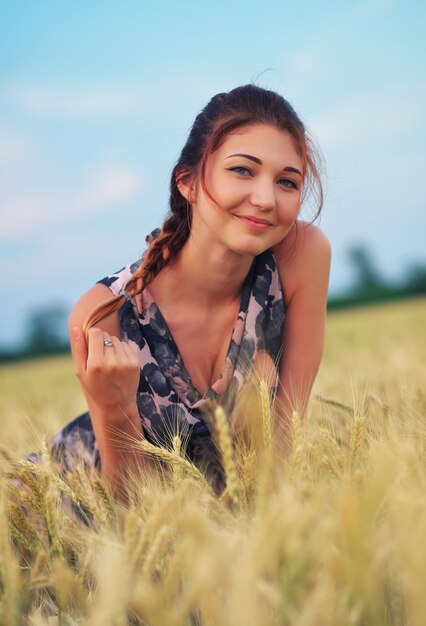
(109, 374)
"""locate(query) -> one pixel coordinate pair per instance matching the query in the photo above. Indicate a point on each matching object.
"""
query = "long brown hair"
(224, 113)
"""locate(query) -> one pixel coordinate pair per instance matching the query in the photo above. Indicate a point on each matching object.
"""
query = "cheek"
(227, 193)
(225, 189)
(289, 209)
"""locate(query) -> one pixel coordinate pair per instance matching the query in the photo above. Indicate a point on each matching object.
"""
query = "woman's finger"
(79, 351)
(116, 349)
(95, 346)
(129, 352)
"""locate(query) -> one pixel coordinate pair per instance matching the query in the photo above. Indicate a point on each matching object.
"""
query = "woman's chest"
(203, 344)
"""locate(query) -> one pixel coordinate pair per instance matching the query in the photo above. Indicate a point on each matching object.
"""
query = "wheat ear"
(20, 528)
(177, 470)
(298, 440)
(170, 457)
(156, 548)
(105, 498)
(265, 407)
(225, 446)
(332, 445)
(357, 437)
(136, 537)
(38, 567)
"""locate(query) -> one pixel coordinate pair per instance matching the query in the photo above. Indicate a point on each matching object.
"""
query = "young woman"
(232, 288)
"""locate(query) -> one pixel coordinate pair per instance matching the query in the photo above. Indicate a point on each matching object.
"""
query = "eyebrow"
(259, 162)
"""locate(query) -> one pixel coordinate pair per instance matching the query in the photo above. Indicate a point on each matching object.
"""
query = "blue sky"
(96, 100)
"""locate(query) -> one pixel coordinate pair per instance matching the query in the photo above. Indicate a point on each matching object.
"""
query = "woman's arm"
(303, 259)
(109, 377)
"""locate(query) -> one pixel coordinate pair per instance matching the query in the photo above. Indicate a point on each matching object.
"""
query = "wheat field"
(336, 537)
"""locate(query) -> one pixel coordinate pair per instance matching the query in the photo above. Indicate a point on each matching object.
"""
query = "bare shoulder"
(304, 239)
(96, 296)
(303, 259)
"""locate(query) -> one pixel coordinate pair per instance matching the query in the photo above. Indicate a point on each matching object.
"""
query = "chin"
(254, 245)
(252, 249)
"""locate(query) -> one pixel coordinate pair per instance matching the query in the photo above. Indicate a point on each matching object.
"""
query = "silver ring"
(108, 343)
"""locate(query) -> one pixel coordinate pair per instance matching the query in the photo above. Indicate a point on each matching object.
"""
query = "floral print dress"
(167, 400)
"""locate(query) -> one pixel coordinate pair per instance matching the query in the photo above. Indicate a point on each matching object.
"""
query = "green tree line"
(46, 326)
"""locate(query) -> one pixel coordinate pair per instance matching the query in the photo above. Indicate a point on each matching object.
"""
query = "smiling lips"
(254, 222)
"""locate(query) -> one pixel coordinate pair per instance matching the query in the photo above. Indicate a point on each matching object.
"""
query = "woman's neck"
(205, 276)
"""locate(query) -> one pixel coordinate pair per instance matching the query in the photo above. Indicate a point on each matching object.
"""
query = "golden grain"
(357, 437)
(224, 442)
(170, 457)
(265, 412)
(155, 550)
(106, 499)
(298, 452)
(176, 468)
(334, 539)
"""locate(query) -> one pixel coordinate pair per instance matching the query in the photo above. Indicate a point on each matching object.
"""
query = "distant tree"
(367, 274)
(415, 279)
(46, 330)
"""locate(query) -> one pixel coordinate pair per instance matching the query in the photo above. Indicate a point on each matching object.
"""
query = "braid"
(163, 249)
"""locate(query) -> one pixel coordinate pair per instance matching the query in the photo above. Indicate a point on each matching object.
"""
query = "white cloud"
(160, 99)
(27, 212)
(110, 101)
(20, 214)
(14, 148)
(110, 187)
(68, 101)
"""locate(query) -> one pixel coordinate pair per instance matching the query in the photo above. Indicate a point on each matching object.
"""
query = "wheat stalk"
(136, 538)
(357, 437)
(328, 466)
(7, 456)
(226, 449)
(265, 412)
(298, 441)
(332, 445)
(176, 469)
(84, 487)
(156, 549)
(50, 518)
(131, 528)
(170, 457)
(39, 565)
(20, 526)
(65, 488)
(34, 502)
(106, 499)
(336, 403)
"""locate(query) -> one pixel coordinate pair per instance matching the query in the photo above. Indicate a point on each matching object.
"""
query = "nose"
(263, 195)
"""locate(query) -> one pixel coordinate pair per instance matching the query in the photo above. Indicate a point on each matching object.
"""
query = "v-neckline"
(195, 394)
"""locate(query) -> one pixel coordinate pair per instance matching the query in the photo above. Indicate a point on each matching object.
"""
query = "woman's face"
(256, 179)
